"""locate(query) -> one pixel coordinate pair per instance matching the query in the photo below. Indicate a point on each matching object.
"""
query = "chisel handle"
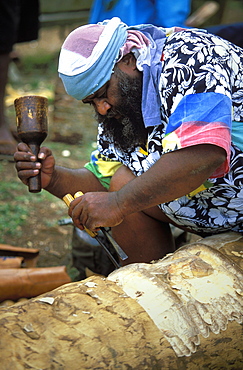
(117, 248)
(68, 198)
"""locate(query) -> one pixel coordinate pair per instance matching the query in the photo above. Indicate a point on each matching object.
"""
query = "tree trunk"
(182, 312)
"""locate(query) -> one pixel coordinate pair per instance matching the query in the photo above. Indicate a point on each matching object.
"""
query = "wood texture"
(97, 324)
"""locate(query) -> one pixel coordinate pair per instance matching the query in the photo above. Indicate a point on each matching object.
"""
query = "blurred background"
(31, 220)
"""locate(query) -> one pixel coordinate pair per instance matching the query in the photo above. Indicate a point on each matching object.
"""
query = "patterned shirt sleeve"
(197, 93)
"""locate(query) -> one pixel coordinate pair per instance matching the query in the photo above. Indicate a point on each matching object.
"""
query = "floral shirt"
(201, 93)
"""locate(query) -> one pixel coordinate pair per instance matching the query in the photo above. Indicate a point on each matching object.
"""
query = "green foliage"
(11, 218)
(40, 62)
(17, 206)
(13, 209)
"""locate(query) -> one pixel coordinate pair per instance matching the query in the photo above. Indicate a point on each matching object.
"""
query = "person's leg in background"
(9, 19)
(7, 141)
(18, 23)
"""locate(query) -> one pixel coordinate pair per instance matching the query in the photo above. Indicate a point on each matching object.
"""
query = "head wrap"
(88, 56)
(89, 53)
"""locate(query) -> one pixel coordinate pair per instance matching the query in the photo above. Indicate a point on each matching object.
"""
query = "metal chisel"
(68, 198)
(116, 246)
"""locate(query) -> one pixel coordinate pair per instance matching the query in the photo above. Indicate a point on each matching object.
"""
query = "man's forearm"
(65, 180)
(174, 175)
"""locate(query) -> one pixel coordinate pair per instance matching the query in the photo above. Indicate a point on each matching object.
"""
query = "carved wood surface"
(182, 312)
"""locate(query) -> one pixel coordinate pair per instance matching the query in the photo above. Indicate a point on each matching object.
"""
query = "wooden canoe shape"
(181, 312)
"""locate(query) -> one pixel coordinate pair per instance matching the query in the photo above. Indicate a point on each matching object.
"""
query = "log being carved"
(182, 312)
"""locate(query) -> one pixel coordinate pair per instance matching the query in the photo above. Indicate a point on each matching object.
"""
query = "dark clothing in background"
(18, 22)
(231, 32)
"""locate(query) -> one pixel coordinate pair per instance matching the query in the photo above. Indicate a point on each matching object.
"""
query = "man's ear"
(129, 61)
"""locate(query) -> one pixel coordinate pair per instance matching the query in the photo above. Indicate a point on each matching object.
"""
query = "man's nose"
(102, 106)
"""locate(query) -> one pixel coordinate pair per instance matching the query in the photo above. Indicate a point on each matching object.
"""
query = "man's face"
(123, 121)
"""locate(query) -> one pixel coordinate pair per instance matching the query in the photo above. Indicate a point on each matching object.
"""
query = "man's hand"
(94, 210)
(27, 165)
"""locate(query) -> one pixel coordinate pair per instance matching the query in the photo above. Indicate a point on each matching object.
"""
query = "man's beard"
(128, 131)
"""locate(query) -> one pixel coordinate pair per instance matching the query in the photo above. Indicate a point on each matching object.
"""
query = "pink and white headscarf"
(89, 53)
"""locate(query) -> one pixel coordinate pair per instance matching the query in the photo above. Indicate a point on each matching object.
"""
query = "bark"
(10, 262)
(30, 255)
(182, 312)
(30, 282)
